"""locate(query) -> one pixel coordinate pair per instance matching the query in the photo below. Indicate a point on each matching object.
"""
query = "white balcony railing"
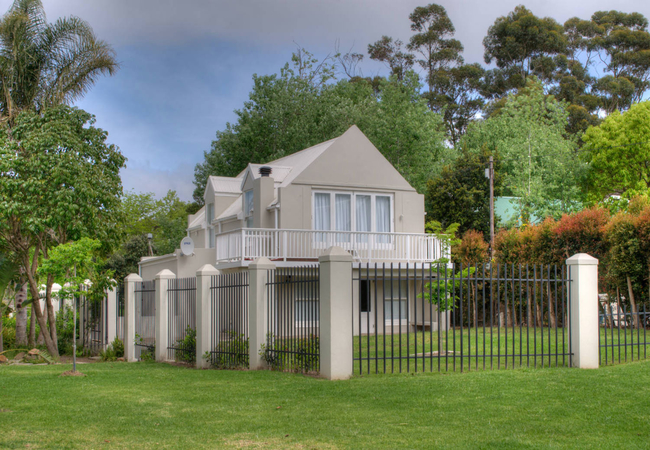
(294, 245)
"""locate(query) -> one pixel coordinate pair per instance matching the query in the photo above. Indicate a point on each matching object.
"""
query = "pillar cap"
(261, 264)
(335, 254)
(207, 270)
(134, 277)
(582, 259)
(166, 274)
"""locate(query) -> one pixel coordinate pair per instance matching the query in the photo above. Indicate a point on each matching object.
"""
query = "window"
(333, 211)
(248, 208)
(307, 306)
(209, 215)
(395, 302)
(365, 303)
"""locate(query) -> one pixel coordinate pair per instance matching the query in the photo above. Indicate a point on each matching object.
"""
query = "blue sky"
(187, 64)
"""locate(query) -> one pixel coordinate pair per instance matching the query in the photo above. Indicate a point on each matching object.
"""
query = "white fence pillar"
(257, 311)
(583, 310)
(111, 315)
(203, 313)
(130, 283)
(161, 281)
(336, 314)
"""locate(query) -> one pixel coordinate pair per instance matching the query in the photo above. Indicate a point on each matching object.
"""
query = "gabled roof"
(197, 219)
(225, 185)
(232, 210)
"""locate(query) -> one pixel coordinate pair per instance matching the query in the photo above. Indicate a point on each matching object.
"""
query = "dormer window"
(248, 208)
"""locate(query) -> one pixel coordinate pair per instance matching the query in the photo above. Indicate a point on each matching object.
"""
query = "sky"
(186, 65)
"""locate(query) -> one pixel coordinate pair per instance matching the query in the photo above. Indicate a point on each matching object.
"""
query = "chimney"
(265, 171)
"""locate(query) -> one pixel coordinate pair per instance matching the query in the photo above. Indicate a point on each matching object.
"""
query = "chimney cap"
(265, 171)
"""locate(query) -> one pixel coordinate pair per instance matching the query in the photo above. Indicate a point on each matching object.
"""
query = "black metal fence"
(438, 317)
(622, 333)
(94, 324)
(145, 320)
(229, 319)
(181, 331)
(293, 319)
(119, 312)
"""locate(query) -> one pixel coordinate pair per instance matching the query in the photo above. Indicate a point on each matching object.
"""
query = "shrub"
(108, 354)
(231, 353)
(186, 351)
(297, 355)
(65, 330)
(472, 248)
(8, 332)
(118, 347)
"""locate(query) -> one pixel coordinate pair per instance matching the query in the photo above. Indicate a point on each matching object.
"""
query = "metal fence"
(622, 333)
(145, 320)
(119, 311)
(229, 319)
(438, 317)
(94, 325)
(181, 332)
(293, 319)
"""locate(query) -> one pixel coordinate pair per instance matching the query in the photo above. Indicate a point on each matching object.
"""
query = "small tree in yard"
(77, 266)
(59, 181)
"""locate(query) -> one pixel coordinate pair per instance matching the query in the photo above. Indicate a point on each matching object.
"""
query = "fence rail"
(440, 318)
(181, 310)
(293, 296)
(145, 320)
(229, 320)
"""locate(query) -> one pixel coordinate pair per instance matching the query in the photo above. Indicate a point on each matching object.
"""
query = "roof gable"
(352, 161)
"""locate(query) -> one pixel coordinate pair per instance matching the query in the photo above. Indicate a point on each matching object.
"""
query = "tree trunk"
(32, 327)
(529, 309)
(21, 316)
(635, 313)
(40, 317)
(551, 311)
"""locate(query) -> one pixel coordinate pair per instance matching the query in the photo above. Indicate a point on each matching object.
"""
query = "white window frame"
(403, 297)
(353, 206)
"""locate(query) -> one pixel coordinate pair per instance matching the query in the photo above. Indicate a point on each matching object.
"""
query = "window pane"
(307, 310)
(364, 296)
(321, 215)
(248, 203)
(363, 216)
(210, 213)
(395, 313)
(343, 216)
(382, 213)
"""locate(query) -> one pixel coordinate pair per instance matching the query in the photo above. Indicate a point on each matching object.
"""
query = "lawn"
(149, 405)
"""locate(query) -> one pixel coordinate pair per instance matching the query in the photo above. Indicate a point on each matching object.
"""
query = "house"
(342, 192)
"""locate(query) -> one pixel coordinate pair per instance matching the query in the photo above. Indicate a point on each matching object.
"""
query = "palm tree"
(46, 64)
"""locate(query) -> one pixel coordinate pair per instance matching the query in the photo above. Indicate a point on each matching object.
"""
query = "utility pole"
(491, 177)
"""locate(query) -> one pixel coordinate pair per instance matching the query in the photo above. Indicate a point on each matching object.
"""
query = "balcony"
(247, 244)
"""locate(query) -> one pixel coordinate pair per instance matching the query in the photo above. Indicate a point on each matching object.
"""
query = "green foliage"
(617, 152)
(231, 353)
(186, 347)
(108, 354)
(291, 354)
(446, 237)
(8, 331)
(461, 193)
(118, 347)
(65, 330)
(149, 351)
(537, 161)
(444, 291)
(47, 64)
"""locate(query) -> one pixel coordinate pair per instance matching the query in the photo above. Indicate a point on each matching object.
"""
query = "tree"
(390, 52)
(433, 40)
(520, 39)
(618, 155)
(59, 181)
(43, 65)
(538, 161)
(461, 193)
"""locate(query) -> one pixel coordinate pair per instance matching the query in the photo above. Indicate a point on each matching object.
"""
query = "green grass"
(502, 349)
(149, 405)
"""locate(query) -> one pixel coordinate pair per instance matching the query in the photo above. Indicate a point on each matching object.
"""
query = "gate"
(145, 320)
(293, 319)
(445, 317)
(181, 333)
(229, 320)
(622, 333)
(93, 324)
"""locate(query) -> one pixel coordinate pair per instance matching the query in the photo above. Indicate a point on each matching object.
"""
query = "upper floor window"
(209, 214)
(351, 211)
(248, 208)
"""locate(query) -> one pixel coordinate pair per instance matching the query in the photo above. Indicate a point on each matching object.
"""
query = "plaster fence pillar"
(161, 281)
(336, 314)
(130, 283)
(203, 313)
(583, 310)
(111, 315)
(258, 311)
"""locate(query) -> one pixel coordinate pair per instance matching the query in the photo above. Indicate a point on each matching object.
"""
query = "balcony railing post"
(408, 248)
(284, 245)
(243, 244)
